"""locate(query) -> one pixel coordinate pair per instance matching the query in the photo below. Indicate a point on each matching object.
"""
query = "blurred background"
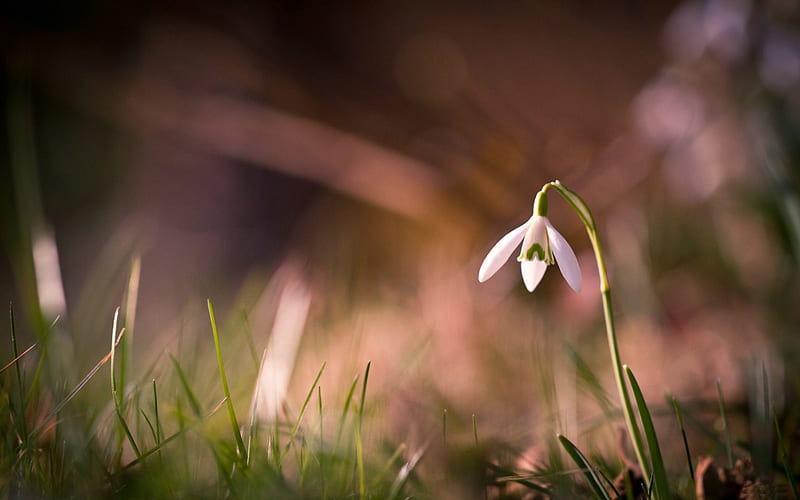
(331, 176)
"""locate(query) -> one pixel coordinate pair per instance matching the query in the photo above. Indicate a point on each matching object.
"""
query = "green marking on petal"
(537, 250)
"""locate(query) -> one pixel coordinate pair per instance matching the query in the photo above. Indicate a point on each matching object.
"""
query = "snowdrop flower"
(542, 246)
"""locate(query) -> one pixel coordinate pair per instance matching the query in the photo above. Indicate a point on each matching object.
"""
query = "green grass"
(150, 446)
(174, 429)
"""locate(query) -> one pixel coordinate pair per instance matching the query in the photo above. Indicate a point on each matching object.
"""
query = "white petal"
(532, 272)
(565, 258)
(501, 251)
(536, 233)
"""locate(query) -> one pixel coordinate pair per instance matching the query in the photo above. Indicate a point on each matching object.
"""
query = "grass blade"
(388, 466)
(251, 345)
(15, 362)
(128, 433)
(588, 471)
(785, 456)
(226, 390)
(114, 343)
(321, 444)
(153, 431)
(347, 401)
(589, 379)
(22, 425)
(405, 472)
(610, 483)
(180, 432)
(363, 393)
(683, 434)
(186, 387)
(15, 351)
(444, 429)
(117, 395)
(725, 431)
(660, 483)
(504, 475)
(362, 484)
(159, 428)
(303, 408)
(85, 380)
(478, 450)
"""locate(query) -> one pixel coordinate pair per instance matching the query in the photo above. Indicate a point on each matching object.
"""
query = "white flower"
(540, 244)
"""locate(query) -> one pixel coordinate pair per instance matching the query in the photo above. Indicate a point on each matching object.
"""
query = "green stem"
(582, 209)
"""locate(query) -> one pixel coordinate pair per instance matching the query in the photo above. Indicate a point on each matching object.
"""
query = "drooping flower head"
(542, 246)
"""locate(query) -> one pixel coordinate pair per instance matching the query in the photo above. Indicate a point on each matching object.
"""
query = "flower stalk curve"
(585, 214)
(542, 245)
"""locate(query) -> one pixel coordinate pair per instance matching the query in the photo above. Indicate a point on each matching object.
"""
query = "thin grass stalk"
(16, 360)
(251, 344)
(321, 445)
(678, 415)
(444, 429)
(159, 427)
(116, 395)
(725, 430)
(150, 426)
(226, 390)
(17, 357)
(506, 476)
(388, 466)
(274, 447)
(193, 402)
(300, 453)
(785, 456)
(363, 393)
(610, 483)
(405, 472)
(362, 485)
(126, 429)
(85, 380)
(299, 419)
(37, 375)
(252, 434)
(223, 472)
(475, 430)
(253, 429)
(582, 209)
(477, 450)
(761, 420)
(347, 402)
(585, 467)
(113, 371)
(591, 381)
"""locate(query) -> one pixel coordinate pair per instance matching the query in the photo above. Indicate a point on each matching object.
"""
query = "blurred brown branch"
(254, 132)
